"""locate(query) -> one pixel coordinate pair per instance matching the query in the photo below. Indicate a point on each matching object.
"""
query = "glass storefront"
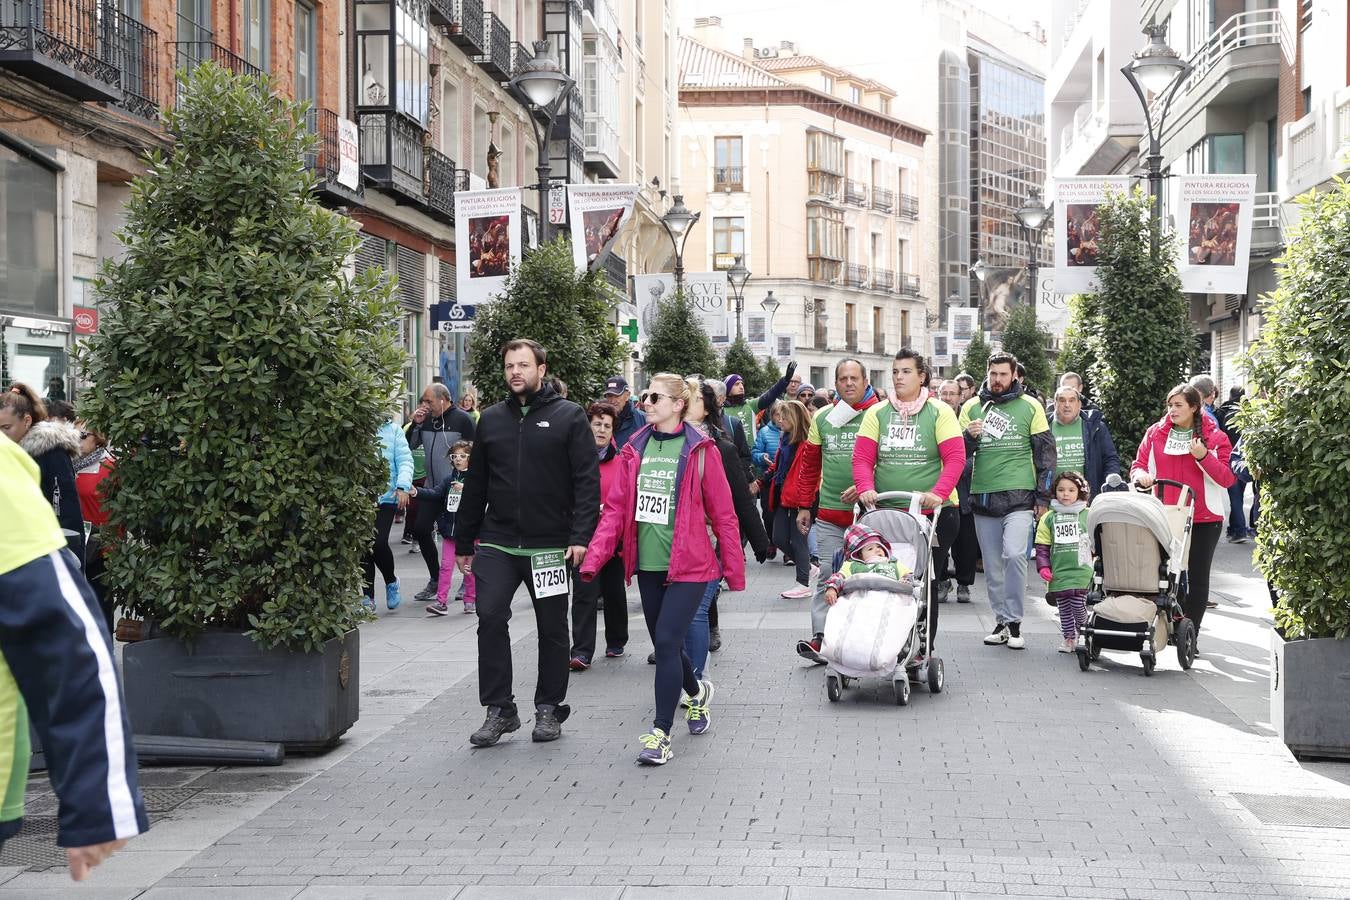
(36, 351)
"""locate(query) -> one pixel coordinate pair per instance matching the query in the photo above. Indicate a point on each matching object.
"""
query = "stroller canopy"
(1132, 508)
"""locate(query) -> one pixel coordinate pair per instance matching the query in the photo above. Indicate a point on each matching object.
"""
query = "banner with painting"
(487, 242)
(941, 349)
(1214, 217)
(706, 290)
(1001, 290)
(1077, 230)
(599, 213)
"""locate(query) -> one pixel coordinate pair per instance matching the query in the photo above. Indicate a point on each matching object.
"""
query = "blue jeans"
(811, 543)
(1237, 519)
(696, 639)
(1003, 543)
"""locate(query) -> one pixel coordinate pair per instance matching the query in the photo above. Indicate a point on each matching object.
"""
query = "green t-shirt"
(836, 455)
(1003, 460)
(887, 567)
(14, 748)
(1070, 455)
(746, 414)
(1066, 533)
(907, 452)
(656, 502)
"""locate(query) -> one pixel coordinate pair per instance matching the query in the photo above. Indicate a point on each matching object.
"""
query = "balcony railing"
(908, 207)
(60, 43)
(855, 192)
(820, 336)
(855, 275)
(136, 53)
(1246, 29)
(393, 153)
(878, 342)
(496, 58)
(616, 271)
(463, 19)
(851, 339)
(190, 54)
(882, 279)
(883, 199)
(1266, 210)
(520, 55)
(602, 145)
(440, 185)
(576, 110)
(907, 285)
(728, 178)
(326, 160)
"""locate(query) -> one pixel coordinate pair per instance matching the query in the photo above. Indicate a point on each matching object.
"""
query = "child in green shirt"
(864, 551)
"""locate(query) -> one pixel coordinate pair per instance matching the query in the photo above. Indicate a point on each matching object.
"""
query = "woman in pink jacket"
(1187, 446)
(671, 489)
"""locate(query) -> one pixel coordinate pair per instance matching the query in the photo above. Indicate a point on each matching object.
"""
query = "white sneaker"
(1016, 641)
(998, 636)
(801, 592)
(815, 570)
(1068, 645)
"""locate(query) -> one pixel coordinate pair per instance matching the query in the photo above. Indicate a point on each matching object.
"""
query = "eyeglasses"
(84, 435)
(653, 396)
(459, 456)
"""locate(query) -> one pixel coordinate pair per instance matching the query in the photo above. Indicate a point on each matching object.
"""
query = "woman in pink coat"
(1187, 446)
(671, 489)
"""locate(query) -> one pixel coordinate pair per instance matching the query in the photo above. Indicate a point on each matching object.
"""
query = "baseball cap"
(615, 386)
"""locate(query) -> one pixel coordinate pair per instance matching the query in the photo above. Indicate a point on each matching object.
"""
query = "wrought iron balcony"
(496, 56)
(879, 343)
(908, 207)
(326, 160)
(463, 21)
(61, 44)
(883, 199)
(855, 275)
(855, 192)
(907, 285)
(576, 109)
(136, 53)
(616, 272)
(820, 336)
(190, 54)
(393, 155)
(728, 178)
(882, 279)
(440, 185)
(520, 55)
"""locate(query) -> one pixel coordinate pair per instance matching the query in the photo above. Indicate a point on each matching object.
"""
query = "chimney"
(708, 31)
(748, 48)
(787, 48)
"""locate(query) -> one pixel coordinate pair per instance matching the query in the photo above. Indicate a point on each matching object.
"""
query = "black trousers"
(965, 552)
(497, 576)
(608, 584)
(947, 526)
(1204, 540)
(424, 532)
(94, 567)
(379, 553)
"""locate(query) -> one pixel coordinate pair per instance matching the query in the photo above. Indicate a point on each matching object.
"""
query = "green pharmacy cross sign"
(630, 331)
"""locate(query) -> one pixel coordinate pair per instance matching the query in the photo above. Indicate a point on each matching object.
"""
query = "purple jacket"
(697, 504)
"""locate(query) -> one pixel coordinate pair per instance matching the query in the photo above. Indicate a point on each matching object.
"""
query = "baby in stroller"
(865, 551)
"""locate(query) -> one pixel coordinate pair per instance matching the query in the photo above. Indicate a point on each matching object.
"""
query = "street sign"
(459, 319)
(557, 204)
(86, 320)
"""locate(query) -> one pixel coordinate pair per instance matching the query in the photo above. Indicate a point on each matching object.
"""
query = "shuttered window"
(412, 279)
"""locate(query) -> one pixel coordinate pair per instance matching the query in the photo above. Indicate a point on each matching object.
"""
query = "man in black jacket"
(437, 424)
(531, 501)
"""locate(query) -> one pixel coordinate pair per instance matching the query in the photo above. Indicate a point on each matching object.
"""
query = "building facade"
(800, 168)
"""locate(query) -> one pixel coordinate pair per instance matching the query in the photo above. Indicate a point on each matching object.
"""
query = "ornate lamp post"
(677, 221)
(1032, 216)
(737, 276)
(544, 86)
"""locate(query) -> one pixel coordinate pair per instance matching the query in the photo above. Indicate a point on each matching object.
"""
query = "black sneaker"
(714, 640)
(651, 658)
(494, 726)
(963, 593)
(426, 593)
(811, 649)
(548, 722)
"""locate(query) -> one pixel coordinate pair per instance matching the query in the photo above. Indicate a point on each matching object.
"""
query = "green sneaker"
(655, 748)
(698, 715)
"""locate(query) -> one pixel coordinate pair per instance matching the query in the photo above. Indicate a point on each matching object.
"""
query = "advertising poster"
(1214, 213)
(961, 324)
(599, 212)
(1001, 291)
(487, 242)
(349, 155)
(757, 331)
(783, 348)
(941, 350)
(1077, 230)
(707, 291)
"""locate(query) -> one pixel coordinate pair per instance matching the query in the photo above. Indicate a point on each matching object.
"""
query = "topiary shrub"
(1295, 424)
(1025, 339)
(740, 361)
(240, 377)
(549, 300)
(976, 361)
(676, 342)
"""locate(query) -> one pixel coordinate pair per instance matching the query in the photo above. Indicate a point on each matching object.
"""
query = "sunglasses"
(653, 396)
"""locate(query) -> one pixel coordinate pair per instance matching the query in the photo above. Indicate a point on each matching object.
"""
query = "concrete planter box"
(225, 686)
(1309, 687)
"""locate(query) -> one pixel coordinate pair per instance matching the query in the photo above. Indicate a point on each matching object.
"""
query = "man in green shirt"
(1014, 455)
(1082, 441)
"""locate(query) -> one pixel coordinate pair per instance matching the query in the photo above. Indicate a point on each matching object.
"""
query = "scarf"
(908, 409)
(1076, 507)
(91, 460)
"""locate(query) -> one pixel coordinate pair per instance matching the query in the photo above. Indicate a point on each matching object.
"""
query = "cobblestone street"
(1024, 777)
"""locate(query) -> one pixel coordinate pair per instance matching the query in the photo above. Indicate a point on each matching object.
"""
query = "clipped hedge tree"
(1024, 338)
(677, 342)
(241, 378)
(1296, 423)
(549, 300)
(740, 361)
(976, 362)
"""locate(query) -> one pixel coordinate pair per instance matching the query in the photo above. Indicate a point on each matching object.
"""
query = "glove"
(791, 367)
(1044, 572)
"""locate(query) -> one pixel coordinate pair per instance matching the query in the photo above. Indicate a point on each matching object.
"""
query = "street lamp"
(1032, 217)
(1160, 71)
(543, 85)
(678, 221)
(737, 276)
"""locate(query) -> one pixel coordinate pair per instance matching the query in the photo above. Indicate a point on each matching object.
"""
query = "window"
(728, 241)
(855, 95)
(824, 152)
(414, 77)
(304, 53)
(480, 141)
(1272, 153)
(824, 232)
(1218, 154)
(194, 23)
(257, 31)
(728, 168)
(904, 328)
(885, 106)
(372, 53)
(827, 83)
(28, 260)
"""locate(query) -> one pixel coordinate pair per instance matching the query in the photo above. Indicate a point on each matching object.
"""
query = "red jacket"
(803, 481)
(88, 485)
(698, 504)
(1208, 477)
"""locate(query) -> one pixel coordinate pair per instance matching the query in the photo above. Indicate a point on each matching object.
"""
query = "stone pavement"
(1024, 777)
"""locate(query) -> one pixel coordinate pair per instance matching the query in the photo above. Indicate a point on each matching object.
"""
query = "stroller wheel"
(1094, 650)
(1149, 661)
(1082, 654)
(936, 675)
(901, 691)
(1185, 639)
(833, 689)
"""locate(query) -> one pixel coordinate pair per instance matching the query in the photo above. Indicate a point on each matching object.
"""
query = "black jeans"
(497, 576)
(789, 538)
(424, 532)
(669, 610)
(948, 525)
(379, 553)
(965, 551)
(1204, 540)
(608, 583)
(94, 567)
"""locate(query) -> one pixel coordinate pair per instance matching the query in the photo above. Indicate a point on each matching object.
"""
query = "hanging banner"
(1214, 212)
(349, 155)
(961, 324)
(707, 291)
(1077, 229)
(784, 346)
(1001, 291)
(941, 354)
(599, 213)
(487, 242)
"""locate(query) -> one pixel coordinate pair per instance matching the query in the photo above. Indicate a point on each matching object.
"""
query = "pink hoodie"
(698, 503)
(1208, 477)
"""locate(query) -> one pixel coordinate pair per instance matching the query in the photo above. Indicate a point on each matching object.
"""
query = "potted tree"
(1296, 437)
(241, 377)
